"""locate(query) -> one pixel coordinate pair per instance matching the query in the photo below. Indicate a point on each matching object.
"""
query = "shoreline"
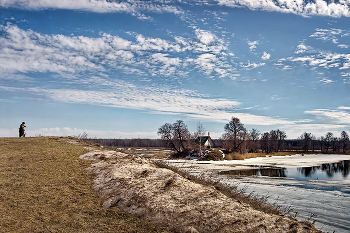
(164, 197)
(281, 181)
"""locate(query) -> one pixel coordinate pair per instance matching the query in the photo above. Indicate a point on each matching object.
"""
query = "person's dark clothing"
(21, 130)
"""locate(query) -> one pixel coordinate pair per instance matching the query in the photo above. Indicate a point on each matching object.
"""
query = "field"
(58, 185)
(44, 187)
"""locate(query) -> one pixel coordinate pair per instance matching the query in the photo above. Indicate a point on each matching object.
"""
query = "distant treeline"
(334, 146)
(135, 142)
(235, 139)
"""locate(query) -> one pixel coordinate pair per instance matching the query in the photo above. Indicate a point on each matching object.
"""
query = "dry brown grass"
(257, 203)
(239, 156)
(173, 201)
(44, 188)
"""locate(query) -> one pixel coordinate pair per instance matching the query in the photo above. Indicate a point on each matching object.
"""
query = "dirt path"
(137, 186)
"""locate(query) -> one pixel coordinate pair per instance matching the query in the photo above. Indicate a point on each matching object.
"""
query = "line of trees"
(235, 139)
(325, 144)
(238, 139)
(134, 142)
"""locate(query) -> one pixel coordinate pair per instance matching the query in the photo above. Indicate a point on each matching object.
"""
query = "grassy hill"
(44, 188)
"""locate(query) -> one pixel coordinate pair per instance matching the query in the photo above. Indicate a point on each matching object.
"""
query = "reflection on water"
(330, 171)
(261, 171)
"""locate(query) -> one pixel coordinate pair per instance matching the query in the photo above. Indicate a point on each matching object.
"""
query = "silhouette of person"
(21, 130)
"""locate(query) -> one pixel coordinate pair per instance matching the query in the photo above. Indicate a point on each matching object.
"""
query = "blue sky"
(121, 69)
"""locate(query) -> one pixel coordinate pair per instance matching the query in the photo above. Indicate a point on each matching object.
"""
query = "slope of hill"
(44, 187)
(58, 185)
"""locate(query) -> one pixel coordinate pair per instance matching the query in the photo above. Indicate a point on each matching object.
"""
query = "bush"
(213, 154)
(181, 154)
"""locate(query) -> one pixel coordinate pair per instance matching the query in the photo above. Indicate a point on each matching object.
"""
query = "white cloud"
(294, 131)
(141, 16)
(344, 108)
(266, 56)
(206, 62)
(317, 7)
(251, 65)
(337, 116)
(326, 80)
(323, 59)
(275, 97)
(205, 37)
(28, 51)
(343, 46)
(10, 76)
(302, 48)
(157, 100)
(163, 58)
(99, 6)
(328, 34)
(333, 35)
(252, 45)
(161, 100)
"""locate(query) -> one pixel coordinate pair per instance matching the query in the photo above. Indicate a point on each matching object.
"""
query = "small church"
(205, 141)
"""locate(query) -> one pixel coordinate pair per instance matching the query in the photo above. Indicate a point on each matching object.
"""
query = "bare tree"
(167, 134)
(273, 141)
(199, 134)
(328, 140)
(181, 133)
(313, 142)
(335, 144)
(253, 138)
(344, 141)
(306, 139)
(177, 136)
(235, 134)
(281, 136)
(265, 142)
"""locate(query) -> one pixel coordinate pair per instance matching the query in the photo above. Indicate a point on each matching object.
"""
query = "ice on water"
(314, 187)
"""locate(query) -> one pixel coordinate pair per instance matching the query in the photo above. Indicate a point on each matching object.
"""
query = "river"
(315, 188)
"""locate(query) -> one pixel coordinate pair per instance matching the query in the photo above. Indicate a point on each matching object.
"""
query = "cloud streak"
(317, 7)
(340, 116)
(154, 100)
(330, 34)
(99, 6)
(309, 8)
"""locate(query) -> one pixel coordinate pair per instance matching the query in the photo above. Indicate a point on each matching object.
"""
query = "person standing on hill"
(21, 130)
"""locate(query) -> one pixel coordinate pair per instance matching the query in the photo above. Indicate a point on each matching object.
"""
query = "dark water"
(329, 171)
(319, 193)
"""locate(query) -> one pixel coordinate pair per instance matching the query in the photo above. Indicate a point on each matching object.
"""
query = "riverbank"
(138, 186)
(313, 187)
(45, 186)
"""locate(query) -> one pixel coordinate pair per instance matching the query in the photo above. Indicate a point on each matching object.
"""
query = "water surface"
(329, 171)
(315, 193)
